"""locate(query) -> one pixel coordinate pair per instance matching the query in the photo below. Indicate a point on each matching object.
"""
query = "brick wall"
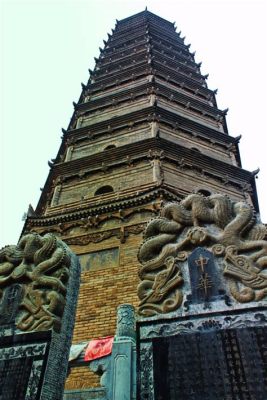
(81, 378)
(124, 137)
(102, 290)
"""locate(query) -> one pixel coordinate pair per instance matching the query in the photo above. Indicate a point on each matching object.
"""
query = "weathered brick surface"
(81, 378)
(101, 292)
(122, 138)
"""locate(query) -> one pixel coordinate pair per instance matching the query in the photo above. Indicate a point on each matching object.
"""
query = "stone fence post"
(123, 358)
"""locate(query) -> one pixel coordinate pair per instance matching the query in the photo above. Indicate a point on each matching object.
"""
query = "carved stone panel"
(227, 364)
(230, 236)
(146, 372)
(11, 388)
(211, 357)
(11, 298)
(33, 282)
(39, 285)
(22, 365)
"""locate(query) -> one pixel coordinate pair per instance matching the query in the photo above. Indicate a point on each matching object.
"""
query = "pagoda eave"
(173, 153)
(143, 197)
(147, 114)
(159, 89)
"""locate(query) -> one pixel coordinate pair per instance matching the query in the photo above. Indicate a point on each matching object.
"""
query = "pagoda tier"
(149, 114)
(180, 59)
(79, 171)
(153, 86)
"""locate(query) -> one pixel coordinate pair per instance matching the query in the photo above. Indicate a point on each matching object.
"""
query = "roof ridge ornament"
(255, 172)
(237, 139)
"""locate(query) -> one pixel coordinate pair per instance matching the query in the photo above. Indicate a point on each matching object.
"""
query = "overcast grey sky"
(48, 46)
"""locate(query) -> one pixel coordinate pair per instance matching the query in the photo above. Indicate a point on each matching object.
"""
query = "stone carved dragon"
(153, 289)
(41, 266)
(227, 227)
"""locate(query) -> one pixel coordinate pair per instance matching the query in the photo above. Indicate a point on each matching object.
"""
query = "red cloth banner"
(98, 348)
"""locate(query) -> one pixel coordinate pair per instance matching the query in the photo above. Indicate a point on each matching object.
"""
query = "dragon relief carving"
(41, 266)
(227, 228)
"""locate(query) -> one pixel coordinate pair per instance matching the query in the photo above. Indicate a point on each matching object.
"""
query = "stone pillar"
(69, 153)
(123, 358)
(37, 313)
(125, 322)
(56, 195)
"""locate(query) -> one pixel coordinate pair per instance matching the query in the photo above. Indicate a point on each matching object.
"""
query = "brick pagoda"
(145, 131)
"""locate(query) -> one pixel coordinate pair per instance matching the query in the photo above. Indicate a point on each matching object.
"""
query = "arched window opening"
(110, 146)
(103, 190)
(204, 192)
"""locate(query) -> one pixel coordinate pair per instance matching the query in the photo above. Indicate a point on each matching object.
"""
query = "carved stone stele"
(226, 228)
(39, 267)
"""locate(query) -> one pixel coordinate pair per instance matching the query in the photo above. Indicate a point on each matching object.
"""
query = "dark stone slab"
(226, 364)
(37, 314)
(204, 277)
(14, 378)
(56, 372)
(9, 305)
(23, 360)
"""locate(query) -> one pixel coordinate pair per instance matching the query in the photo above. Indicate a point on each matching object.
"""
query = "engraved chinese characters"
(10, 303)
(205, 283)
(16, 371)
(37, 271)
(215, 364)
(225, 228)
